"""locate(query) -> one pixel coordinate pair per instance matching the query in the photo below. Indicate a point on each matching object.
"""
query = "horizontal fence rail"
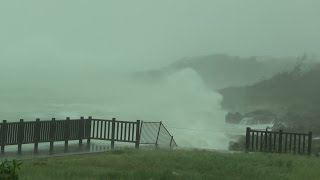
(35, 132)
(278, 142)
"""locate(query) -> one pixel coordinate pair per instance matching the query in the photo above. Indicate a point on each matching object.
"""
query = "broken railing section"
(278, 142)
(35, 132)
(155, 133)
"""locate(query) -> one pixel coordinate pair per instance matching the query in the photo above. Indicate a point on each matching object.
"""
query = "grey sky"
(148, 33)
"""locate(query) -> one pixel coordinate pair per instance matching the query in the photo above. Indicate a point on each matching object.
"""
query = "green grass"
(175, 164)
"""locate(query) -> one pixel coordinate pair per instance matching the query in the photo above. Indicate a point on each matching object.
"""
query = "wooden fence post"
(52, 134)
(66, 134)
(113, 131)
(3, 135)
(158, 134)
(309, 143)
(81, 131)
(36, 136)
(20, 135)
(88, 131)
(280, 141)
(138, 134)
(247, 139)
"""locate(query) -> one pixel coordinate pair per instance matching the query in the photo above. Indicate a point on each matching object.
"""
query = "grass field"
(171, 164)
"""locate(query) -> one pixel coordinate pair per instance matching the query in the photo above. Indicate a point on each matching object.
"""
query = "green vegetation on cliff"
(293, 95)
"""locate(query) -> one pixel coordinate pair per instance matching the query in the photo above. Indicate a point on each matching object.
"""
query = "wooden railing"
(278, 142)
(121, 131)
(35, 132)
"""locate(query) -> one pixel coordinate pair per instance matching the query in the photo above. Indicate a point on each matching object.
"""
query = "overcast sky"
(150, 33)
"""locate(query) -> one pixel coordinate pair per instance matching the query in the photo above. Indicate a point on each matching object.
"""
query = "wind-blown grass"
(171, 164)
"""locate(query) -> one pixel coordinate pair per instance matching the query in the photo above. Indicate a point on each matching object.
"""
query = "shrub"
(8, 170)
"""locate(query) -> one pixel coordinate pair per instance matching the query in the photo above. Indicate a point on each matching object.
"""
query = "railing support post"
(309, 143)
(37, 127)
(113, 128)
(280, 141)
(3, 136)
(81, 131)
(52, 134)
(66, 134)
(138, 134)
(88, 131)
(20, 136)
(247, 139)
